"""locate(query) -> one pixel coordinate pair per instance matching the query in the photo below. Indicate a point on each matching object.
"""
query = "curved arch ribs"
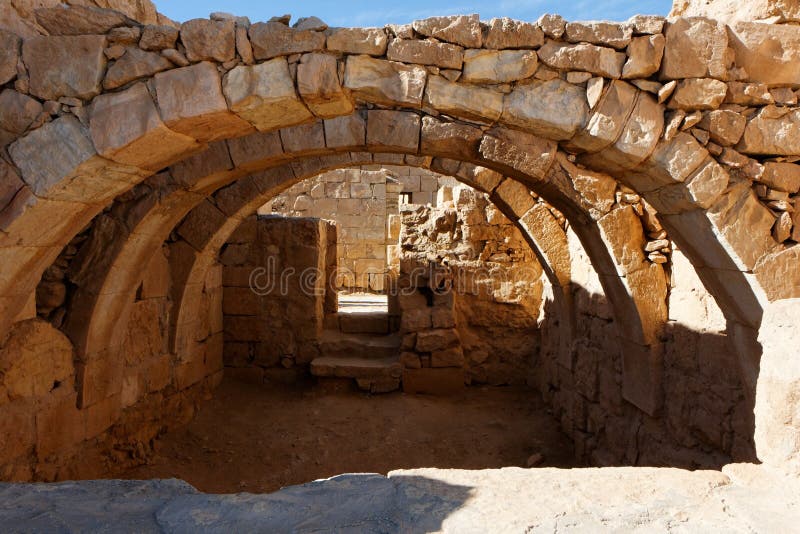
(233, 132)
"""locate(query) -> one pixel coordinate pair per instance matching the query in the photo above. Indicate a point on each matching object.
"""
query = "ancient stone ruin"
(604, 213)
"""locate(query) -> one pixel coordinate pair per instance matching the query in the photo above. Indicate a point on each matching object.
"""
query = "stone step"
(335, 344)
(356, 367)
(364, 323)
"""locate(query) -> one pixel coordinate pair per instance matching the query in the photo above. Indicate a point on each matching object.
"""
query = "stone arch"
(64, 172)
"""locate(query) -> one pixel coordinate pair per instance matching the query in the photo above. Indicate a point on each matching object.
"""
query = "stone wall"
(363, 205)
(469, 294)
(276, 276)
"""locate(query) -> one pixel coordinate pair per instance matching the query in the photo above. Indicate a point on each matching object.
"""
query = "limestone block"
(371, 41)
(515, 196)
(596, 189)
(191, 103)
(647, 24)
(777, 274)
(126, 127)
(724, 126)
(772, 131)
(209, 40)
(748, 94)
(452, 357)
(700, 190)
(397, 130)
(696, 47)
(464, 101)
(9, 55)
(134, 64)
(385, 82)
(251, 151)
(449, 139)
(70, 66)
(603, 33)
(319, 84)
(638, 138)
(437, 339)
(608, 118)
(777, 404)
(503, 66)
(156, 38)
(585, 57)
(59, 162)
(698, 93)
(553, 109)
(79, 20)
(623, 233)
(17, 113)
(264, 95)
(271, 39)
(781, 176)
(520, 151)
(303, 137)
(444, 55)
(348, 131)
(464, 30)
(98, 379)
(17, 431)
(769, 53)
(509, 33)
(672, 161)
(59, 425)
(743, 224)
(644, 56)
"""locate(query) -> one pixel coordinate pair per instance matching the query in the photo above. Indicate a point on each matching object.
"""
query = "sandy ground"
(255, 439)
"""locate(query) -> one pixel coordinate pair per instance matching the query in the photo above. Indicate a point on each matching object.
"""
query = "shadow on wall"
(706, 420)
(350, 503)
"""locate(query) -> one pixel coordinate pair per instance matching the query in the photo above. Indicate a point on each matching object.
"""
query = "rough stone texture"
(731, 11)
(384, 82)
(17, 112)
(610, 34)
(65, 66)
(461, 100)
(273, 39)
(777, 425)
(209, 40)
(79, 20)
(698, 93)
(768, 53)
(771, 131)
(584, 57)
(725, 127)
(319, 84)
(9, 55)
(156, 38)
(264, 95)
(487, 66)
(442, 55)
(464, 30)
(371, 41)
(695, 48)
(554, 109)
(509, 33)
(134, 64)
(644, 56)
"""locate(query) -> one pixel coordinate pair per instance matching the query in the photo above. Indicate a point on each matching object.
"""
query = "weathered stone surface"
(65, 66)
(509, 33)
(552, 25)
(611, 34)
(672, 161)
(554, 109)
(273, 39)
(464, 101)
(449, 139)
(585, 57)
(397, 130)
(515, 196)
(209, 40)
(493, 67)
(156, 38)
(79, 20)
(777, 434)
(191, 103)
(523, 152)
(623, 234)
(127, 128)
(725, 127)
(695, 48)
(319, 84)
(596, 189)
(700, 190)
(698, 93)
(608, 118)
(768, 53)
(464, 30)
(9, 55)
(134, 64)
(644, 56)
(748, 94)
(437, 339)
(731, 11)
(384, 82)
(265, 96)
(647, 24)
(371, 41)
(781, 176)
(348, 131)
(772, 131)
(443, 55)
(17, 112)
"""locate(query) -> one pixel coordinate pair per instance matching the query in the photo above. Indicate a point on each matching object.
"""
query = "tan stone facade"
(145, 139)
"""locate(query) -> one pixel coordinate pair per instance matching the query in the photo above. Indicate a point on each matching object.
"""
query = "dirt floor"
(254, 439)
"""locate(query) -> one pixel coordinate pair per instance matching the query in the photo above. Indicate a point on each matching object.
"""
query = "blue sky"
(380, 12)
